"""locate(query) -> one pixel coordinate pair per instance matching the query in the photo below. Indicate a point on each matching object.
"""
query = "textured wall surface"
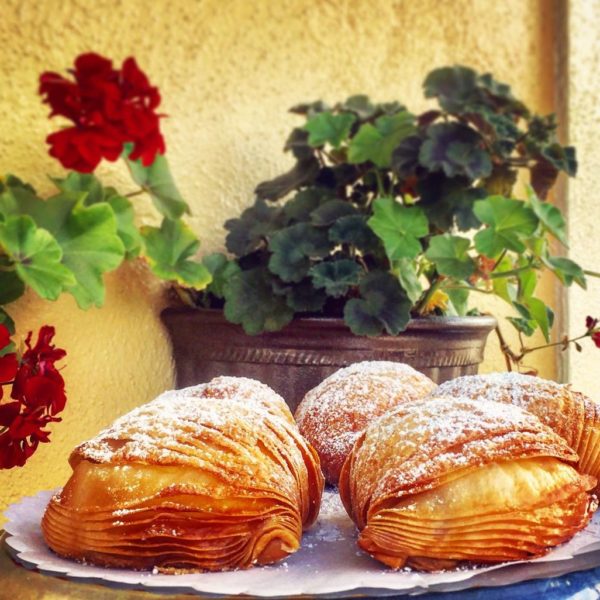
(584, 201)
(228, 71)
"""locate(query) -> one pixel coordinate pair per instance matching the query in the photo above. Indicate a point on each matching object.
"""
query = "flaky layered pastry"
(439, 482)
(332, 415)
(573, 416)
(211, 477)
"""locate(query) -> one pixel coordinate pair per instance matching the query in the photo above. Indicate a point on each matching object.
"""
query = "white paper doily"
(329, 564)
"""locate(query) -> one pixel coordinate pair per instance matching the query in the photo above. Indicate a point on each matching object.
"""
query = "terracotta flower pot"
(300, 356)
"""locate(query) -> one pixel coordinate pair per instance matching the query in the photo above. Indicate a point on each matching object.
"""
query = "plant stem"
(525, 351)
(591, 273)
(500, 258)
(468, 288)
(136, 193)
(432, 289)
(380, 188)
(511, 273)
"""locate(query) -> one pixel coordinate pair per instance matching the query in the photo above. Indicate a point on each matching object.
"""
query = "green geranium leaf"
(250, 231)
(376, 142)
(399, 227)
(500, 182)
(454, 87)
(293, 248)
(297, 142)
(37, 256)
(450, 254)
(382, 306)
(157, 180)
(542, 315)
(550, 216)
(502, 286)
(126, 229)
(303, 173)
(300, 207)
(525, 326)
(458, 301)
(527, 282)
(561, 157)
(82, 182)
(90, 244)
(336, 276)
(566, 270)
(11, 287)
(326, 128)
(22, 201)
(359, 104)
(6, 320)
(354, 231)
(251, 303)
(301, 297)
(221, 270)
(509, 223)
(406, 272)
(331, 211)
(455, 149)
(169, 250)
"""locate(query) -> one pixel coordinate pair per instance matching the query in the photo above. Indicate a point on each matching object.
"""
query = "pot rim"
(473, 322)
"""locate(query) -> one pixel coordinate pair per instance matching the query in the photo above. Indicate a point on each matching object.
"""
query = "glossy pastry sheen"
(573, 416)
(211, 477)
(439, 482)
(332, 415)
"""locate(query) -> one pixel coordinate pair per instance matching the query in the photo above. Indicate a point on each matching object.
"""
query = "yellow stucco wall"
(228, 70)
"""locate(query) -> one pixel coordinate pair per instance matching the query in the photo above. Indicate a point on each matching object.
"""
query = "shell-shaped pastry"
(211, 477)
(332, 415)
(438, 482)
(573, 416)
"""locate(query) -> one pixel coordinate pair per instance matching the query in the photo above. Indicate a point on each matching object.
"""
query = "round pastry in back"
(573, 416)
(332, 415)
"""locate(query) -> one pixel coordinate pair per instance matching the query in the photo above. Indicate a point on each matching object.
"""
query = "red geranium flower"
(38, 390)
(108, 107)
(593, 329)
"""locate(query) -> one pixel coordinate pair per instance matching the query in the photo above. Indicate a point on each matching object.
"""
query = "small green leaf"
(450, 254)
(169, 250)
(566, 270)
(293, 248)
(405, 270)
(454, 87)
(157, 180)
(82, 182)
(330, 212)
(6, 320)
(221, 270)
(126, 229)
(300, 207)
(250, 302)
(502, 286)
(382, 306)
(399, 227)
(549, 215)
(11, 287)
(37, 256)
(542, 315)
(509, 223)
(376, 142)
(525, 326)
(326, 128)
(354, 231)
(458, 300)
(336, 276)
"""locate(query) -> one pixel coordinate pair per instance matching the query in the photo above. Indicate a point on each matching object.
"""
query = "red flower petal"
(4, 337)
(41, 391)
(596, 338)
(8, 367)
(9, 412)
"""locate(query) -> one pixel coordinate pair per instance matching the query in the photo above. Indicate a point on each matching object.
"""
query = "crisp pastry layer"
(332, 415)
(442, 482)
(212, 477)
(573, 416)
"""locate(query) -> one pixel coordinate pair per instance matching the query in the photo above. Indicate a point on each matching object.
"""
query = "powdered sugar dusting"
(333, 414)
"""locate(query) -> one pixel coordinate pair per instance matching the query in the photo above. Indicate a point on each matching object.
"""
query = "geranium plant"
(387, 215)
(68, 241)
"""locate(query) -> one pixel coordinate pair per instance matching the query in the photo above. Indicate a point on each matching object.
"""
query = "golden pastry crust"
(440, 481)
(572, 415)
(211, 477)
(332, 415)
